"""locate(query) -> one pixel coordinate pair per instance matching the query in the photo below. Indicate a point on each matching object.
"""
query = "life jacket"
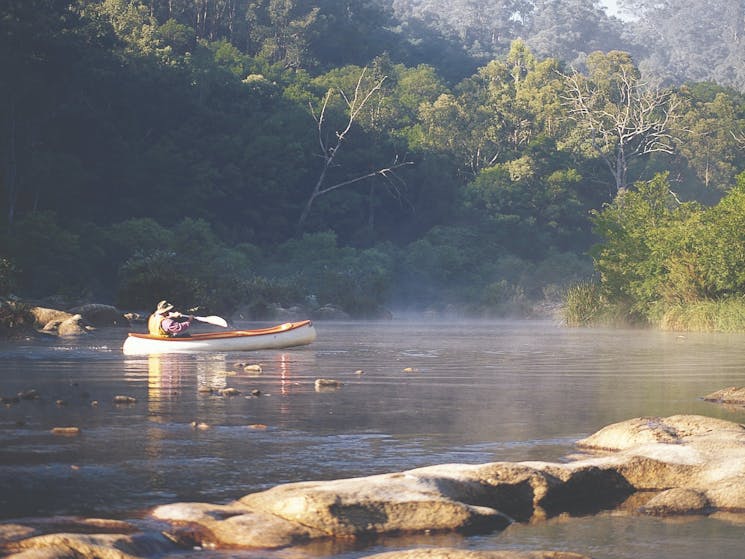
(155, 325)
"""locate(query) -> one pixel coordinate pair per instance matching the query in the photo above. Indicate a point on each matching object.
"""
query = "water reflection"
(164, 381)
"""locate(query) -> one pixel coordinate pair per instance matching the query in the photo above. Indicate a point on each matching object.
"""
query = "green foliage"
(673, 264)
(357, 280)
(8, 275)
(49, 257)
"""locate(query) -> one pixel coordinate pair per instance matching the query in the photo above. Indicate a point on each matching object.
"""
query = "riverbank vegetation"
(238, 155)
(666, 263)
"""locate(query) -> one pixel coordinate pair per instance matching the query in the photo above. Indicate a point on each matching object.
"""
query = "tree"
(330, 145)
(634, 256)
(709, 128)
(618, 115)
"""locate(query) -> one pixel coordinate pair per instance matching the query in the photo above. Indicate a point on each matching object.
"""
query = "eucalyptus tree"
(711, 128)
(618, 117)
(494, 114)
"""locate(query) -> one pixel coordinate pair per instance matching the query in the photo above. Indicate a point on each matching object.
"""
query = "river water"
(414, 393)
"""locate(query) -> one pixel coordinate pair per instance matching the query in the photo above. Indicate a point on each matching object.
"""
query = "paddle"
(216, 320)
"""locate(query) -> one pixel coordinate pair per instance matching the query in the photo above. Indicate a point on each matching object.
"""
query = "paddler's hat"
(163, 307)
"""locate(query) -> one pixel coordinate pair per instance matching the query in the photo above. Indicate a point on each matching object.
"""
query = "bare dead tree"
(622, 124)
(331, 146)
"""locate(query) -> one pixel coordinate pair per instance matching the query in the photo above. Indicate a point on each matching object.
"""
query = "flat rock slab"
(732, 395)
(682, 464)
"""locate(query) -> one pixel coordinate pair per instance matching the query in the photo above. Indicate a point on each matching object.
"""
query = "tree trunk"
(11, 168)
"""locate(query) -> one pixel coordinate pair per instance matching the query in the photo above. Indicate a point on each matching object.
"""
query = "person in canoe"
(168, 324)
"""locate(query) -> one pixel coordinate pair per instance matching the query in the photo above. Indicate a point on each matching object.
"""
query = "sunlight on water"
(412, 394)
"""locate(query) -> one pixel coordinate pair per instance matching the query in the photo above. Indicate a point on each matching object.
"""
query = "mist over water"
(414, 393)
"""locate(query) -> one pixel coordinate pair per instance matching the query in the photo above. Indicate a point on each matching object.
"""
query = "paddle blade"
(216, 320)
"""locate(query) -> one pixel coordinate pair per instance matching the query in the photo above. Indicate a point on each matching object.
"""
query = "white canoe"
(284, 335)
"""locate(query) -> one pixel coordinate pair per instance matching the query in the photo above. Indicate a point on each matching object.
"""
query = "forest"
(489, 159)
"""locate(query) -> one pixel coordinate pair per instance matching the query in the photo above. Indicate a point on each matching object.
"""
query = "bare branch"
(330, 149)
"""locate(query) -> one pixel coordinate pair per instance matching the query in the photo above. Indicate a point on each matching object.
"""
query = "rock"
(73, 326)
(731, 395)
(329, 312)
(43, 316)
(677, 501)
(98, 546)
(235, 525)
(322, 384)
(30, 394)
(13, 532)
(383, 504)
(98, 315)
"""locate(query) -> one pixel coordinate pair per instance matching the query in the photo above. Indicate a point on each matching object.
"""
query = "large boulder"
(98, 315)
(43, 316)
(73, 326)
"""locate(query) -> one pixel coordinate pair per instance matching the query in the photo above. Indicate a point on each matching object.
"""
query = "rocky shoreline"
(661, 466)
(23, 319)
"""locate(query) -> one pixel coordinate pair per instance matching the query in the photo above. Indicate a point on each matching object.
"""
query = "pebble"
(327, 383)
(66, 431)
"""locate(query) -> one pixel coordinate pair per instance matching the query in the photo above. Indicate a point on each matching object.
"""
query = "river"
(414, 393)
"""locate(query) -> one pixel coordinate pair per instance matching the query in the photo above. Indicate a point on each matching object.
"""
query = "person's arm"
(175, 327)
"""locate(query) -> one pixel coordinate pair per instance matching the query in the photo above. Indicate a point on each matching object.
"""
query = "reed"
(723, 315)
(583, 305)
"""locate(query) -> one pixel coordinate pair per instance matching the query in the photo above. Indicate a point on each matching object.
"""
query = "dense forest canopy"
(368, 153)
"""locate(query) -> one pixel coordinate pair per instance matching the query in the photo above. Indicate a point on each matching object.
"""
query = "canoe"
(284, 335)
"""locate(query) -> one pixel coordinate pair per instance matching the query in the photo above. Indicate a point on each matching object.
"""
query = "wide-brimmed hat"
(163, 307)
